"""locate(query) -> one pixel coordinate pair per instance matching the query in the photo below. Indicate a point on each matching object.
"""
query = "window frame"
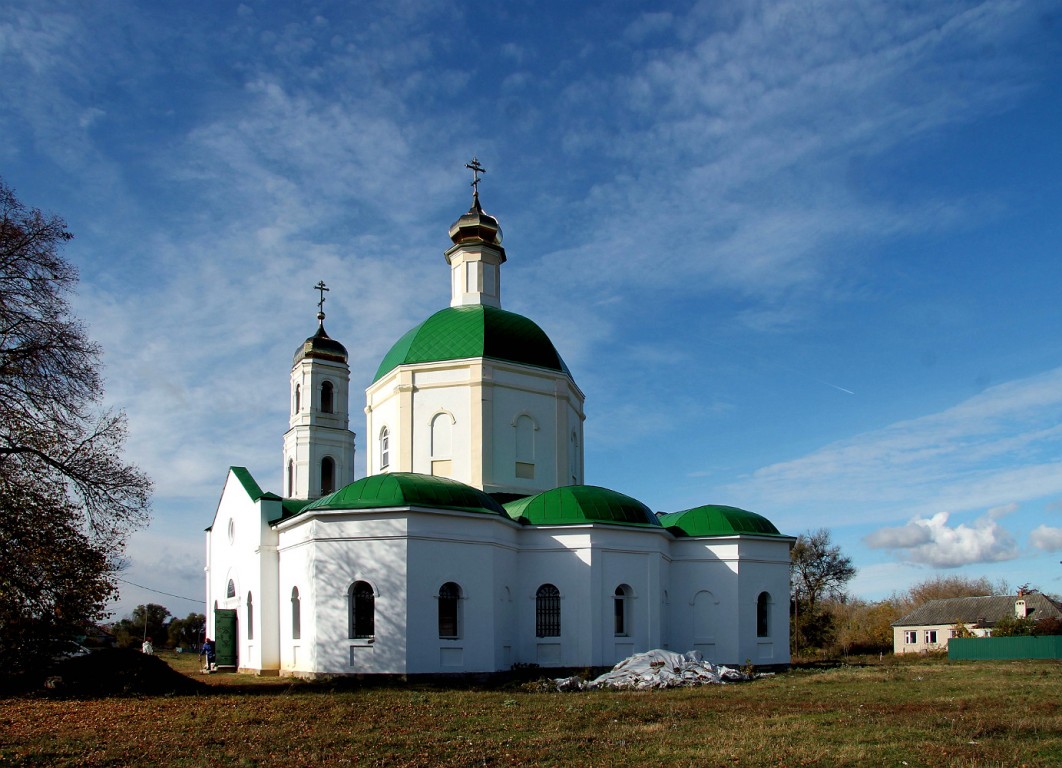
(361, 611)
(296, 614)
(328, 397)
(763, 614)
(547, 611)
(449, 610)
(620, 611)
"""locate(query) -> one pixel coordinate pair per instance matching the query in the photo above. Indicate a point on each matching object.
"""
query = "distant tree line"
(826, 620)
(155, 623)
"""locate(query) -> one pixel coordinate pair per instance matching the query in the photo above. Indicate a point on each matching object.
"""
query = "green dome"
(717, 520)
(405, 489)
(581, 504)
(456, 333)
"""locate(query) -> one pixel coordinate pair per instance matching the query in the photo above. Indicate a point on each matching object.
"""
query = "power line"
(160, 592)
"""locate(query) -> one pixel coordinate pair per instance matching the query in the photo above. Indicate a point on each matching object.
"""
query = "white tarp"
(656, 669)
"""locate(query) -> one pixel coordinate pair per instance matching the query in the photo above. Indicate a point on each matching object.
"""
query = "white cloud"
(931, 541)
(1046, 538)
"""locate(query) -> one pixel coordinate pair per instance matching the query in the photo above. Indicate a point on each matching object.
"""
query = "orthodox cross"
(321, 288)
(476, 169)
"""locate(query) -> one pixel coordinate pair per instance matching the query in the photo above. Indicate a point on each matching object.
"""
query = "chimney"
(1019, 609)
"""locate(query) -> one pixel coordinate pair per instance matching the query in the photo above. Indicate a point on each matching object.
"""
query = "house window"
(385, 448)
(250, 617)
(449, 597)
(298, 398)
(291, 478)
(619, 610)
(910, 636)
(326, 397)
(362, 603)
(230, 590)
(763, 615)
(328, 475)
(547, 611)
(296, 614)
(931, 637)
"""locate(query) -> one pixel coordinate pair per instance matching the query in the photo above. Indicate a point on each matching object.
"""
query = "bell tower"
(318, 446)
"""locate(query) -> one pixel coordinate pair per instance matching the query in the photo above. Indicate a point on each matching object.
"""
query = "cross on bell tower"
(476, 169)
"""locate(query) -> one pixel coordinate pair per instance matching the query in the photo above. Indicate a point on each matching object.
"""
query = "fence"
(1000, 648)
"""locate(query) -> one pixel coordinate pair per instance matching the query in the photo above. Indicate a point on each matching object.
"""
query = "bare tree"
(818, 570)
(67, 498)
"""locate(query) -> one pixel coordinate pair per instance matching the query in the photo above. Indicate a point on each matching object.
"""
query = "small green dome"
(581, 504)
(717, 520)
(404, 489)
(456, 333)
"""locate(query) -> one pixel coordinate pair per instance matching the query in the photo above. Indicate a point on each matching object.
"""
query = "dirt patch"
(118, 672)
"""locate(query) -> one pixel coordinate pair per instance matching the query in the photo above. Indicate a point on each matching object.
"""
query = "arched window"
(449, 598)
(442, 427)
(328, 475)
(298, 398)
(763, 615)
(620, 600)
(296, 614)
(547, 611)
(230, 590)
(326, 397)
(362, 603)
(385, 448)
(291, 478)
(525, 447)
(250, 617)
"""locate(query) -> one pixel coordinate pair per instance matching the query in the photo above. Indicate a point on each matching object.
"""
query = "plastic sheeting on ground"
(656, 669)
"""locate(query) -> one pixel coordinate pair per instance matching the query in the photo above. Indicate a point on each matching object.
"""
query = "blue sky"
(803, 257)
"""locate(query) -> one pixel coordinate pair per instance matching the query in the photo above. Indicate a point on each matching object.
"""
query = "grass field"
(922, 712)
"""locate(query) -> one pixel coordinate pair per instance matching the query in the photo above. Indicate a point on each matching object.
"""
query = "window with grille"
(547, 611)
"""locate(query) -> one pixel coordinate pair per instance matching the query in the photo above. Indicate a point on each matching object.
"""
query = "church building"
(473, 543)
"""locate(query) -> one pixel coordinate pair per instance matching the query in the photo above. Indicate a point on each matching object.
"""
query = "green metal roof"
(456, 333)
(404, 489)
(581, 504)
(717, 520)
(249, 485)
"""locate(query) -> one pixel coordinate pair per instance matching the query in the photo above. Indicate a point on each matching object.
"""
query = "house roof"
(456, 333)
(984, 611)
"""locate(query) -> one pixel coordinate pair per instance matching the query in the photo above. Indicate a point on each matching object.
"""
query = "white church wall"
(341, 549)
(764, 568)
(242, 548)
(458, 549)
(635, 560)
(449, 401)
(559, 556)
(703, 598)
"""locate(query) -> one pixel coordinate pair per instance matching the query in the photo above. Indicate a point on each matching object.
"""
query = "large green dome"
(581, 504)
(404, 489)
(456, 333)
(717, 520)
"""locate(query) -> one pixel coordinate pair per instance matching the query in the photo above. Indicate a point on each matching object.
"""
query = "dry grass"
(897, 713)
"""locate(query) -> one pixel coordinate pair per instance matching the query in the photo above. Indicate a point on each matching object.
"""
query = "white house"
(930, 626)
(472, 544)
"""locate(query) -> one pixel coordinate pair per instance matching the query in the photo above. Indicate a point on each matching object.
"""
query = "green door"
(225, 637)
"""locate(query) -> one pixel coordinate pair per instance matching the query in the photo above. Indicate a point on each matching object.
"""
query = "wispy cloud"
(1046, 538)
(998, 447)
